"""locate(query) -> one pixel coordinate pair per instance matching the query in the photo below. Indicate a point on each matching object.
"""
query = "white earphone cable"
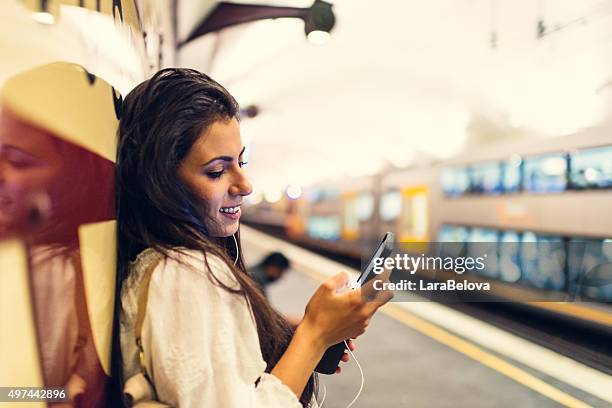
(237, 249)
(360, 371)
(324, 395)
(360, 386)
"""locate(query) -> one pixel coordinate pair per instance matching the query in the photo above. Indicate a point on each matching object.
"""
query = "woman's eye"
(21, 164)
(20, 161)
(242, 163)
(215, 174)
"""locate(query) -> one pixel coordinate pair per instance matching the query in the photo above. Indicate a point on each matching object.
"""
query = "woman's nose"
(241, 185)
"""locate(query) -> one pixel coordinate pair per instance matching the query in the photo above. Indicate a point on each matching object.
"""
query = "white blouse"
(200, 341)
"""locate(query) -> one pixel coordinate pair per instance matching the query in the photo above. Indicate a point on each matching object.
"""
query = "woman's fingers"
(338, 281)
(381, 299)
(346, 356)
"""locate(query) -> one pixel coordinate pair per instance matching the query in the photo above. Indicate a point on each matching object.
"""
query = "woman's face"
(29, 164)
(213, 170)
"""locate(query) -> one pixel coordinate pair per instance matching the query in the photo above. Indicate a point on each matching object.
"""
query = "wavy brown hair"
(161, 120)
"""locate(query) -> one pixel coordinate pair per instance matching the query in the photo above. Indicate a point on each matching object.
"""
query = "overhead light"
(44, 17)
(318, 37)
(318, 18)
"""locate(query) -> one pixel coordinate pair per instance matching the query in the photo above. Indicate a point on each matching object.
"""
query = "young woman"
(210, 338)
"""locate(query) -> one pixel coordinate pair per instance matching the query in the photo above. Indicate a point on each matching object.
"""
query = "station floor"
(409, 362)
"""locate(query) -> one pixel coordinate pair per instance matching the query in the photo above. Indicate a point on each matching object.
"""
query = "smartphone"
(330, 360)
(383, 250)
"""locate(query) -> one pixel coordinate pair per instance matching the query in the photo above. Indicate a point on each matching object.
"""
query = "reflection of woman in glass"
(29, 162)
(48, 187)
(209, 337)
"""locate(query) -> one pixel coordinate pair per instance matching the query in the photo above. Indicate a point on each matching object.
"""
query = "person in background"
(269, 270)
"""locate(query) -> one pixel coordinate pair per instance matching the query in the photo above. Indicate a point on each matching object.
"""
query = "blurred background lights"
(254, 198)
(591, 175)
(272, 195)
(44, 17)
(294, 192)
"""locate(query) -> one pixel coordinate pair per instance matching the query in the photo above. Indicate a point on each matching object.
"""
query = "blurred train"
(544, 205)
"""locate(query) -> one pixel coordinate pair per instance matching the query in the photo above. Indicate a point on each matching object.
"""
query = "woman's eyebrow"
(14, 149)
(224, 158)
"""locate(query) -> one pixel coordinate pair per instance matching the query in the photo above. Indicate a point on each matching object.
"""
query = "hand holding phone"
(330, 360)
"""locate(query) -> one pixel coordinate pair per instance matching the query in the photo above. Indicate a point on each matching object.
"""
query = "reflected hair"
(161, 120)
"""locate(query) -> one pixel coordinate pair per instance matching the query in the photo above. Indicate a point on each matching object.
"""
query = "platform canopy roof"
(403, 80)
(400, 82)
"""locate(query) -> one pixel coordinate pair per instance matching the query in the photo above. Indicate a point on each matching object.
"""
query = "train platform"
(423, 354)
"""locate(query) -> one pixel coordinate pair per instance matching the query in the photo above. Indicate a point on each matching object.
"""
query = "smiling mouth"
(229, 210)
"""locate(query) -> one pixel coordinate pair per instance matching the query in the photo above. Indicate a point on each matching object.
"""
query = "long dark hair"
(161, 120)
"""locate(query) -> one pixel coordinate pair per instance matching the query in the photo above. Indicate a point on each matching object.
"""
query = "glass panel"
(449, 237)
(511, 176)
(591, 168)
(486, 178)
(589, 268)
(324, 227)
(364, 206)
(390, 205)
(545, 174)
(455, 181)
(509, 256)
(543, 261)
(483, 242)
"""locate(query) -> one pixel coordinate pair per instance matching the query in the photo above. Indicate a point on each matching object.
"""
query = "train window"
(543, 260)
(591, 168)
(318, 194)
(313, 194)
(364, 206)
(452, 240)
(590, 268)
(483, 243)
(390, 205)
(455, 181)
(324, 227)
(511, 179)
(509, 256)
(486, 178)
(545, 174)
(453, 233)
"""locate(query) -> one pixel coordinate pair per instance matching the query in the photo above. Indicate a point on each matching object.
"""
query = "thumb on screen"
(338, 281)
